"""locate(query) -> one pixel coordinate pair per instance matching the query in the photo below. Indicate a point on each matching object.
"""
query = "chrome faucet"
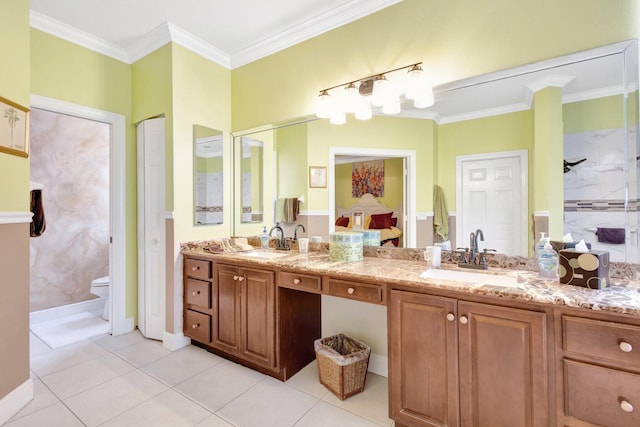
(295, 232)
(281, 243)
(473, 245)
(474, 251)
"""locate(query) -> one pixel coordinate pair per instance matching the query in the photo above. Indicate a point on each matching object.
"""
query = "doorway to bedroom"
(398, 193)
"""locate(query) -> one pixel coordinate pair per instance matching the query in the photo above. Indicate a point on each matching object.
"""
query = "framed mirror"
(252, 168)
(208, 150)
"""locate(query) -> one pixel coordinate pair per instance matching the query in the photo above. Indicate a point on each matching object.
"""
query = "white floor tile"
(214, 421)
(182, 365)
(42, 397)
(307, 380)
(65, 357)
(82, 377)
(37, 347)
(101, 403)
(117, 342)
(168, 409)
(56, 415)
(143, 353)
(326, 415)
(269, 404)
(220, 384)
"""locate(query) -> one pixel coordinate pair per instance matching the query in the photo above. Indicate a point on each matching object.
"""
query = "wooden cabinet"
(463, 363)
(365, 292)
(599, 372)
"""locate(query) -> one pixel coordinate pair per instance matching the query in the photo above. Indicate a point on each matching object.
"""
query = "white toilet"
(100, 288)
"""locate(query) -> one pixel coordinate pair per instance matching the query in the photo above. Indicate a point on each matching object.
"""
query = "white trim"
(175, 342)
(410, 191)
(452, 213)
(550, 81)
(150, 42)
(594, 94)
(95, 306)
(117, 158)
(378, 365)
(522, 155)
(314, 213)
(169, 215)
(15, 217)
(480, 114)
(199, 46)
(15, 400)
(423, 216)
(541, 213)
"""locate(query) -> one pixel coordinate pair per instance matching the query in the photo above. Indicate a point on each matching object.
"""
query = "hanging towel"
(610, 235)
(441, 215)
(279, 210)
(291, 209)
(38, 223)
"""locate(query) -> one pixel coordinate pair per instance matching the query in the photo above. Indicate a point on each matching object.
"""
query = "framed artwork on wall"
(317, 176)
(14, 128)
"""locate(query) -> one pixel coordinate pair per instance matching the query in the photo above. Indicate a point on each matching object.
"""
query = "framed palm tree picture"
(14, 128)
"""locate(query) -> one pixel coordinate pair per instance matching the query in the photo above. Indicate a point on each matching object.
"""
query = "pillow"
(367, 222)
(394, 221)
(380, 221)
(343, 221)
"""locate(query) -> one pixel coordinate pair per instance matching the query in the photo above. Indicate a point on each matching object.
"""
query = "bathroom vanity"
(493, 348)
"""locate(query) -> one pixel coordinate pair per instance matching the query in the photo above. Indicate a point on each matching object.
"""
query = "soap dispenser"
(264, 238)
(548, 263)
(540, 245)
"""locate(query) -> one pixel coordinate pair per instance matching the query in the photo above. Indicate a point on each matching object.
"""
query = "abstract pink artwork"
(367, 177)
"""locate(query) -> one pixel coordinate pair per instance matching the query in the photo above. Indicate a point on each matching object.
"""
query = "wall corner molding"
(15, 217)
(174, 342)
(15, 400)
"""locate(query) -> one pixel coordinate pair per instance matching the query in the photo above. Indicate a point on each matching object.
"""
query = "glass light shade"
(338, 118)
(414, 82)
(324, 105)
(391, 107)
(380, 89)
(424, 99)
(363, 112)
(351, 98)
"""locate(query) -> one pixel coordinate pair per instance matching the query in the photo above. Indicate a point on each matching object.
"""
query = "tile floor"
(128, 380)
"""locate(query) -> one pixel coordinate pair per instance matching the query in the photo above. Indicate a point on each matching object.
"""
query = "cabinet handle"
(195, 325)
(451, 317)
(626, 406)
(240, 278)
(625, 346)
(464, 320)
(194, 293)
(236, 277)
(350, 291)
(195, 267)
(296, 281)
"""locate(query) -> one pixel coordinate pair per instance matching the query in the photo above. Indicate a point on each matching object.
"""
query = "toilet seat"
(101, 281)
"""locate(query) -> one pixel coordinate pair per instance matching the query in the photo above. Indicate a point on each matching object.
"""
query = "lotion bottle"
(548, 263)
(264, 238)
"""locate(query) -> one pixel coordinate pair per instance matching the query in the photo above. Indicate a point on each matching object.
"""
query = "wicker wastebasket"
(342, 364)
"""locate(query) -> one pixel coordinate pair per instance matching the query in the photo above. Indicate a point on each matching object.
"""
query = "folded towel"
(441, 215)
(611, 235)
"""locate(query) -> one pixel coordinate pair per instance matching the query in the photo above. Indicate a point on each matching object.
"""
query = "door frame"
(118, 324)
(409, 195)
(523, 156)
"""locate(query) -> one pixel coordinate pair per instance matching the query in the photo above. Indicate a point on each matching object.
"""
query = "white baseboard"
(175, 341)
(94, 306)
(379, 365)
(13, 402)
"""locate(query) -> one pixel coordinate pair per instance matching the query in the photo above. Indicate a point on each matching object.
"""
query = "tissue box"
(589, 270)
(345, 246)
(558, 246)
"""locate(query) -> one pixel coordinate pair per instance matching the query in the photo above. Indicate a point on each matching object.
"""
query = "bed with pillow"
(377, 216)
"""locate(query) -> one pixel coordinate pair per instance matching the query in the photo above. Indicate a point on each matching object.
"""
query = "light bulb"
(414, 81)
(323, 105)
(351, 97)
(380, 88)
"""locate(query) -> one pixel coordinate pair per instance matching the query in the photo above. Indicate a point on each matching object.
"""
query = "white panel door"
(151, 228)
(493, 200)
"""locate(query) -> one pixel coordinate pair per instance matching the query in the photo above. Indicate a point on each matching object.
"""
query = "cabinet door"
(503, 366)
(226, 309)
(257, 322)
(423, 377)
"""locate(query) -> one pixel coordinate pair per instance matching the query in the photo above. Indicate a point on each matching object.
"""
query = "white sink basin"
(264, 254)
(468, 277)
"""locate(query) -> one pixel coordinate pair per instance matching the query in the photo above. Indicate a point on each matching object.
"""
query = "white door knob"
(350, 291)
(625, 346)
(464, 320)
(451, 317)
(626, 406)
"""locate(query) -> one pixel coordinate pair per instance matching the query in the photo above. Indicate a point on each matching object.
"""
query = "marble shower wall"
(595, 190)
(70, 157)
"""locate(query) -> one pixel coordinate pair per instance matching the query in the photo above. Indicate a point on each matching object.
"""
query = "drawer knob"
(195, 267)
(240, 278)
(625, 346)
(296, 281)
(350, 291)
(626, 406)
(451, 317)
(464, 320)
(194, 293)
(235, 277)
(195, 325)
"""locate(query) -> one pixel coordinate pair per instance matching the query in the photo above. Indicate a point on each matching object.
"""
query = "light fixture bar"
(371, 76)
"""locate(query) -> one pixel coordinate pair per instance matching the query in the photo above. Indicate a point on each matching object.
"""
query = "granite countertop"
(622, 297)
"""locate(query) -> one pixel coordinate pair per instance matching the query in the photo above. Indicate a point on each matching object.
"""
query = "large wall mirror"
(493, 113)
(252, 171)
(208, 149)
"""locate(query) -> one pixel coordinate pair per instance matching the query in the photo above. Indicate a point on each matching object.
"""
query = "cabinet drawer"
(616, 342)
(300, 281)
(198, 292)
(601, 396)
(358, 291)
(197, 268)
(197, 326)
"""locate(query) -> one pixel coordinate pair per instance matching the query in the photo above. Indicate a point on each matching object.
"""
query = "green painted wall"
(393, 184)
(594, 114)
(455, 39)
(293, 173)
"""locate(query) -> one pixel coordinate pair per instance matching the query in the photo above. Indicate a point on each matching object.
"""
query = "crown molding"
(314, 27)
(593, 94)
(479, 114)
(71, 34)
